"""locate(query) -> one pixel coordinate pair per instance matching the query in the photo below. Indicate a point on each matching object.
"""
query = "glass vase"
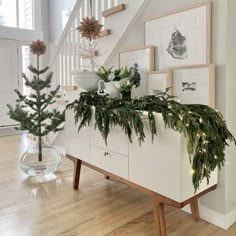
(31, 164)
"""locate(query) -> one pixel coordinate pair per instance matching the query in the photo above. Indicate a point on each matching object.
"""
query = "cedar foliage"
(206, 131)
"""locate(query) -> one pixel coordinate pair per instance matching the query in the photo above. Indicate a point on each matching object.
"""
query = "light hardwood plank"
(99, 207)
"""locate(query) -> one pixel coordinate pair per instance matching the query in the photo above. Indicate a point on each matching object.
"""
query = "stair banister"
(65, 31)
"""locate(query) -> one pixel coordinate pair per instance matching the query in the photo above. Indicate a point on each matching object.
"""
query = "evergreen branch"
(36, 71)
(206, 131)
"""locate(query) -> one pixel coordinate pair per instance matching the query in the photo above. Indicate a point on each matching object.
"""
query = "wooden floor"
(100, 207)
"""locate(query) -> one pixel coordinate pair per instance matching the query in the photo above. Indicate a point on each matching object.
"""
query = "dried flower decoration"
(90, 28)
(38, 47)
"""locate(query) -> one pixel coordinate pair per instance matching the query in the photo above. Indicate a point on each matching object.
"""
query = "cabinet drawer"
(117, 141)
(109, 161)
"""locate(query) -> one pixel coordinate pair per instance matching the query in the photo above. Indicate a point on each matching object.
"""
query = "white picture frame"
(144, 57)
(193, 84)
(182, 37)
(158, 82)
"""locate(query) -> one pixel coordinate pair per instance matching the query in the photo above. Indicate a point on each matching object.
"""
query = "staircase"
(116, 16)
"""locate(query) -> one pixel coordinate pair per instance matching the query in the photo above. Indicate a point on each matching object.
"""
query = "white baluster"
(104, 4)
(62, 65)
(86, 8)
(56, 71)
(82, 13)
(78, 42)
(98, 10)
(73, 55)
(69, 56)
(65, 62)
(111, 3)
(94, 7)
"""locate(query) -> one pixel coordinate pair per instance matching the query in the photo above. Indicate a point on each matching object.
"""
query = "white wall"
(216, 205)
(230, 105)
(55, 17)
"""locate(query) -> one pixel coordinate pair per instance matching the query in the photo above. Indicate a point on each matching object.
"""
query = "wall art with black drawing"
(182, 38)
(193, 84)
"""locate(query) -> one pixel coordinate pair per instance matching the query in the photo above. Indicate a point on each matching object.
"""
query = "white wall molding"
(221, 220)
(19, 34)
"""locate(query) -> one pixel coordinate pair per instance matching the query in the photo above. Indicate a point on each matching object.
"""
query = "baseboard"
(221, 220)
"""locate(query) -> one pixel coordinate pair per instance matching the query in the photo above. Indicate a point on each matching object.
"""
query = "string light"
(215, 157)
(200, 120)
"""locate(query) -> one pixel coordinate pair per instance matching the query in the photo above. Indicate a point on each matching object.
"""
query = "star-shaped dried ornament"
(38, 47)
(90, 28)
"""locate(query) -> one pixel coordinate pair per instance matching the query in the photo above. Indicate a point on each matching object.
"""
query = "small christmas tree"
(31, 111)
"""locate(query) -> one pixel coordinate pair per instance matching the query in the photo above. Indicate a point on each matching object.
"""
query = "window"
(16, 13)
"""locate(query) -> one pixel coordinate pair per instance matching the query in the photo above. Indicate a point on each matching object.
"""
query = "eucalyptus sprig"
(206, 131)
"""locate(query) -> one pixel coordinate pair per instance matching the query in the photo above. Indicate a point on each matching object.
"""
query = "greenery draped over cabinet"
(206, 131)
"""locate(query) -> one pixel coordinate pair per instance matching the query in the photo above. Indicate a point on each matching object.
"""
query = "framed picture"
(194, 84)
(157, 82)
(183, 37)
(144, 57)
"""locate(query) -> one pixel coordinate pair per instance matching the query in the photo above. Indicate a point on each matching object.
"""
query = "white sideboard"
(162, 168)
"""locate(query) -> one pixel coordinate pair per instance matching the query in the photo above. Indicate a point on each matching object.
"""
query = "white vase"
(109, 88)
(87, 80)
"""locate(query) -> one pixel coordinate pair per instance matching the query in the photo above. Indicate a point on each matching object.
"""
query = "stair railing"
(66, 58)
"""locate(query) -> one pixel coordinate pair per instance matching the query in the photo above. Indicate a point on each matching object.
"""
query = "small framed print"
(194, 84)
(183, 37)
(158, 82)
(144, 57)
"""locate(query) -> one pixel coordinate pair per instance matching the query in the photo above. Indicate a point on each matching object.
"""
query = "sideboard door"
(157, 166)
(77, 144)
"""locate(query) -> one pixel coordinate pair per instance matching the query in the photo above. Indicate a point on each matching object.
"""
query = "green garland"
(204, 127)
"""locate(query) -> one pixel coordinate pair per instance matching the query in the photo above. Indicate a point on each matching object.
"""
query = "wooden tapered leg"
(159, 217)
(77, 169)
(194, 209)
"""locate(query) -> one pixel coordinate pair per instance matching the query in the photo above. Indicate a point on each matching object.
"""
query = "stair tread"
(105, 32)
(113, 10)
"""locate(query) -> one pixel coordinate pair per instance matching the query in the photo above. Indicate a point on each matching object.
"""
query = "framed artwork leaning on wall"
(182, 37)
(193, 84)
(144, 57)
(157, 82)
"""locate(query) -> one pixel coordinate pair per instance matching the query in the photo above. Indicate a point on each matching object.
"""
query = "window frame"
(17, 14)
